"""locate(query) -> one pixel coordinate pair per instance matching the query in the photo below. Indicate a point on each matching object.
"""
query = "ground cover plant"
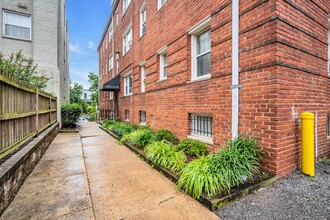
(119, 128)
(229, 167)
(140, 137)
(163, 154)
(166, 135)
(192, 147)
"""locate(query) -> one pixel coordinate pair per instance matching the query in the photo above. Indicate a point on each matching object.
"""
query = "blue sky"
(87, 20)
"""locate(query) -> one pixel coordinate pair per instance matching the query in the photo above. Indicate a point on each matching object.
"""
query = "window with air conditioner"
(16, 25)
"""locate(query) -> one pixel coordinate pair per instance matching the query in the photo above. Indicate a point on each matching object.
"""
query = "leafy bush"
(141, 137)
(70, 114)
(163, 154)
(107, 123)
(231, 166)
(23, 69)
(166, 135)
(121, 128)
(192, 147)
(196, 178)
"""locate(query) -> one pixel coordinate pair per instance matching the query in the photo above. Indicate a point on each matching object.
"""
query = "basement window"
(201, 128)
(328, 126)
(126, 115)
(143, 117)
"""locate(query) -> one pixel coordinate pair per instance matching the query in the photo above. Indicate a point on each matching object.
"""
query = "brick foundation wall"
(283, 70)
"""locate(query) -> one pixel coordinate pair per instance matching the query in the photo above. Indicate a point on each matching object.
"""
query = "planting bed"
(211, 202)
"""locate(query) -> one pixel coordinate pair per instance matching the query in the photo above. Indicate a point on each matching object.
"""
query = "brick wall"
(283, 70)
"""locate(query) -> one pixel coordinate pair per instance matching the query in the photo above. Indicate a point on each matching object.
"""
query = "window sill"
(201, 78)
(161, 80)
(127, 95)
(127, 120)
(143, 124)
(205, 140)
(16, 38)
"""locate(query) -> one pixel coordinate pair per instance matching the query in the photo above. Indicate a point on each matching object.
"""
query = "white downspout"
(235, 67)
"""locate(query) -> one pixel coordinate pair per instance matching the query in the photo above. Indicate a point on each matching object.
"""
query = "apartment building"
(212, 70)
(39, 28)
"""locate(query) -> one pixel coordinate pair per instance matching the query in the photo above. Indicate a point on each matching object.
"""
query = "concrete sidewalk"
(119, 186)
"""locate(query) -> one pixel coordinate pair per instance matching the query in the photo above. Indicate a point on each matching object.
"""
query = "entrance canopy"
(112, 85)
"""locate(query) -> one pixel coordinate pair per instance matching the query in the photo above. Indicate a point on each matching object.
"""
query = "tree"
(23, 69)
(94, 87)
(76, 92)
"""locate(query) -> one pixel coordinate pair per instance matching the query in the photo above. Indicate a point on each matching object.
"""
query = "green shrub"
(107, 123)
(237, 162)
(163, 154)
(231, 166)
(166, 135)
(192, 147)
(121, 128)
(70, 114)
(141, 137)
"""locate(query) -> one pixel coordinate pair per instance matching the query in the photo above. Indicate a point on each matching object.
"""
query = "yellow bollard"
(307, 143)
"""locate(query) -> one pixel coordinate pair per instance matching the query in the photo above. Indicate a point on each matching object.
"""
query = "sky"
(87, 20)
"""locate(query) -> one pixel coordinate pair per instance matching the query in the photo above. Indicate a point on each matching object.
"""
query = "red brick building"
(210, 70)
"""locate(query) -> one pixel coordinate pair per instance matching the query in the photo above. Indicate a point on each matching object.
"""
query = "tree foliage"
(94, 87)
(76, 91)
(23, 69)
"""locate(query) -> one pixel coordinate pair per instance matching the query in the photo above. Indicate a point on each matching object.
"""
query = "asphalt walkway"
(90, 176)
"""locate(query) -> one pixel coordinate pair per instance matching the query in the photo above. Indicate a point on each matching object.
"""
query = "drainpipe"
(235, 67)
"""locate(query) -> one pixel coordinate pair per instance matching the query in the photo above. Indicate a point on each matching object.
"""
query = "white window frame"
(126, 4)
(199, 28)
(111, 62)
(117, 18)
(143, 76)
(110, 31)
(111, 96)
(145, 117)
(160, 3)
(4, 22)
(162, 65)
(127, 40)
(127, 89)
(198, 135)
(143, 19)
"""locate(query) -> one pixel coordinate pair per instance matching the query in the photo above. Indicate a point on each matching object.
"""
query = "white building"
(87, 96)
(39, 28)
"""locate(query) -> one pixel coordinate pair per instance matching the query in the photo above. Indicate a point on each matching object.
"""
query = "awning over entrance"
(112, 85)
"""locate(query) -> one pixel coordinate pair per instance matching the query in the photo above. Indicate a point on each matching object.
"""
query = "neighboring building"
(39, 28)
(189, 67)
(87, 96)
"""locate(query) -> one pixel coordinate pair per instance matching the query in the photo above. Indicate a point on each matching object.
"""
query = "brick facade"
(283, 53)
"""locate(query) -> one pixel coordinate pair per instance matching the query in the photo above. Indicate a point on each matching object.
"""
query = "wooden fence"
(24, 112)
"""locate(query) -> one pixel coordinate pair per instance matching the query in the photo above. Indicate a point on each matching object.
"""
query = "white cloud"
(91, 45)
(75, 48)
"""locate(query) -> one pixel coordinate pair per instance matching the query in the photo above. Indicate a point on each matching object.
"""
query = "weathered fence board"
(24, 112)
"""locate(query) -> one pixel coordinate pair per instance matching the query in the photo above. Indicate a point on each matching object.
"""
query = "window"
(161, 3)
(143, 18)
(143, 117)
(85, 95)
(128, 81)
(111, 62)
(329, 46)
(127, 41)
(110, 32)
(111, 96)
(328, 126)
(201, 126)
(125, 5)
(201, 50)
(16, 25)
(143, 78)
(162, 63)
(117, 18)
(111, 115)
(126, 115)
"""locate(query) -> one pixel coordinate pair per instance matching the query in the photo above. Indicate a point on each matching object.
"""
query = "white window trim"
(125, 9)
(143, 8)
(4, 25)
(125, 83)
(143, 86)
(160, 5)
(162, 52)
(143, 123)
(110, 31)
(129, 29)
(194, 31)
(110, 62)
(111, 96)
